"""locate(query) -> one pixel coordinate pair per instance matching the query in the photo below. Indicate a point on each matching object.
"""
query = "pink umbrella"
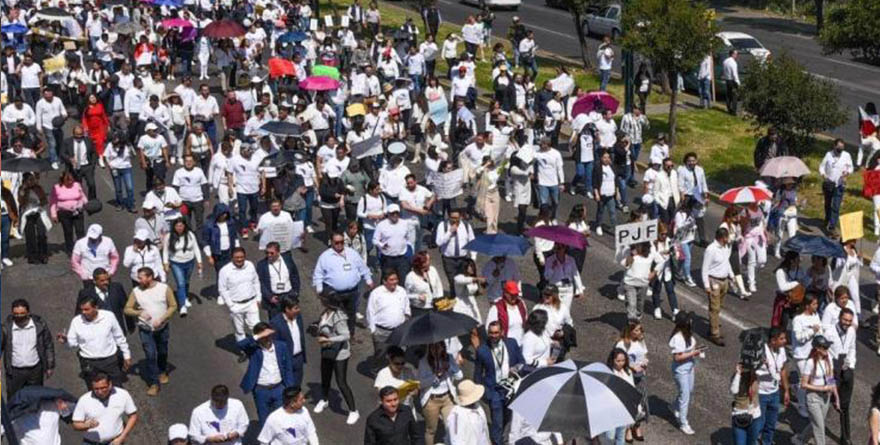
(224, 29)
(176, 23)
(559, 234)
(745, 195)
(589, 101)
(319, 83)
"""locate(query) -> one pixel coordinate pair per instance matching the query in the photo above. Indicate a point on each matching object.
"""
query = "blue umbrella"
(170, 3)
(13, 28)
(499, 244)
(814, 245)
(293, 36)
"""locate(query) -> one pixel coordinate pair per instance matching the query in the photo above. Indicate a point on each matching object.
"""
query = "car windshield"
(746, 44)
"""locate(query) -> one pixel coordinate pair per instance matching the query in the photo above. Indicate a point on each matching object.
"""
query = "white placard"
(634, 233)
(449, 185)
(344, 22)
(313, 24)
(328, 21)
(297, 235)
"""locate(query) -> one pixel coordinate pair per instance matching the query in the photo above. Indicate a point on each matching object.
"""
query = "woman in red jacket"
(96, 123)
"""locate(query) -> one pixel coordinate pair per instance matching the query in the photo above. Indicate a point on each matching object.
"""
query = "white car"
(744, 43)
(493, 4)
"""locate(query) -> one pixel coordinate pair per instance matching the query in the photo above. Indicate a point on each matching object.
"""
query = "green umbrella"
(324, 70)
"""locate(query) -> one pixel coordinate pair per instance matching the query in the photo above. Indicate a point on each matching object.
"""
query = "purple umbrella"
(587, 103)
(559, 234)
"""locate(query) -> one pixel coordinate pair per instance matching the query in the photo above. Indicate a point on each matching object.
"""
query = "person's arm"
(734, 382)
(782, 282)
(131, 309)
(171, 302)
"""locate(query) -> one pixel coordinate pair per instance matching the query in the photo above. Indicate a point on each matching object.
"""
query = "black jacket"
(266, 279)
(45, 344)
(597, 177)
(67, 152)
(115, 302)
(762, 151)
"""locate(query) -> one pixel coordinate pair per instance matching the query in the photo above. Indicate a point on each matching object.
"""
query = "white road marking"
(567, 36)
(846, 84)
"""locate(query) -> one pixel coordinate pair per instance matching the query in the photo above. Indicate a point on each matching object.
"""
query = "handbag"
(742, 420)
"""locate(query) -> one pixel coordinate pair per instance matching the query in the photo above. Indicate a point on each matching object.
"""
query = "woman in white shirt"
(180, 121)
(558, 316)
(371, 210)
(684, 235)
(488, 198)
(804, 327)
(437, 371)
(577, 220)
(537, 346)
(180, 252)
(788, 276)
(467, 285)
(639, 272)
(632, 340)
(845, 272)
(817, 380)
(618, 362)
(684, 351)
(731, 222)
(118, 154)
(423, 284)
(661, 251)
(543, 247)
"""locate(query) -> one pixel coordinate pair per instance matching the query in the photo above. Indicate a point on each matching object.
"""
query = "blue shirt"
(340, 271)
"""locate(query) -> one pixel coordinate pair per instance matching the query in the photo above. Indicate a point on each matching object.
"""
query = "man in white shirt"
(605, 55)
(239, 288)
(243, 175)
(49, 111)
(19, 112)
(93, 251)
(391, 239)
(387, 308)
(99, 338)
(190, 181)
(704, 81)
(31, 76)
(204, 110)
(153, 153)
(717, 273)
(510, 313)
(551, 177)
(101, 411)
(220, 420)
(843, 352)
(528, 58)
(291, 424)
(452, 235)
(560, 270)
(29, 353)
(835, 167)
(730, 74)
(416, 202)
(607, 130)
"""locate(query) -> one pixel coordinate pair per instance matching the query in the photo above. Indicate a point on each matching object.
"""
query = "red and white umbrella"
(745, 195)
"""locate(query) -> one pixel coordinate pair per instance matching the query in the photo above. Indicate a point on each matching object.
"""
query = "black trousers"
(331, 219)
(399, 263)
(330, 366)
(17, 378)
(845, 382)
(196, 215)
(86, 174)
(732, 96)
(73, 226)
(108, 365)
(35, 239)
(349, 299)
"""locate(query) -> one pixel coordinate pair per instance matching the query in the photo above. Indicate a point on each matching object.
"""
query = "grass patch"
(725, 145)
(393, 16)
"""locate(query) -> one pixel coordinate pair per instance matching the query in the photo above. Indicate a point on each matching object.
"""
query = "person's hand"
(211, 260)
(739, 368)
(217, 438)
(550, 361)
(786, 398)
(126, 364)
(55, 219)
(92, 423)
(816, 328)
(423, 298)
(322, 340)
(156, 324)
(145, 316)
(118, 441)
(62, 338)
(273, 299)
(233, 435)
(166, 267)
(49, 373)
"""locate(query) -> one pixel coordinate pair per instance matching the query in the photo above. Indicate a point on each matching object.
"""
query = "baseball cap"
(511, 287)
(151, 126)
(392, 208)
(820, 341)
(95, 231)
(142, 235)
(178, 431)
(148, 205)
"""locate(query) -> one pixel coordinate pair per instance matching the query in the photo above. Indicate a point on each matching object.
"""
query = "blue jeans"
(686, 262)
(748, 435)
(5, 226)
(684, 380)
(305, 215)
(549, 195)
(705, 87)
(124, 187)
(833, 197)
(211, 130)
(769, 416)
(604, 78)
(54, 139)
(416, 82)
(670, 292)
(339, 111)
(634, 151)
(606, 203)
(247, 205)
(617, 435)
(266, 401)
(583, 171)
(299, 365)
(182, 272)
(621, 186)
(155, 345)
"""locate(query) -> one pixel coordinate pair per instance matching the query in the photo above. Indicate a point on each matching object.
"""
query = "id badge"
(279, 287)
(346, 267)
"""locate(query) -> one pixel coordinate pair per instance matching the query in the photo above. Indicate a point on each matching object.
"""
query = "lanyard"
(499, 358)
(278, 271)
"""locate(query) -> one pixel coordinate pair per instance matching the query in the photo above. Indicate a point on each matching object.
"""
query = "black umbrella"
(282, 128)
(53, 14)
(576, 398)
(814, 245)
(23, 165)
(431, 327)
(28, 399)
(368, 147)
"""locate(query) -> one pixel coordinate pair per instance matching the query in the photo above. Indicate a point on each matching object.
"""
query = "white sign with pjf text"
(634, 233)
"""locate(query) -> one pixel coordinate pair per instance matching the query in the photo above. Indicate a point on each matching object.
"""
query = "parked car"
(744, 43)
(750, 50)
(603, 22)
(495, 4)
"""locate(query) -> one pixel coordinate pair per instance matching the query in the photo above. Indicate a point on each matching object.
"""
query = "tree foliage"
(780, 93)
(854, 27)
(674, 34)
(579, 9)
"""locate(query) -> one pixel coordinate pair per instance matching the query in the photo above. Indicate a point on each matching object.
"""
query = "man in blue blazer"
(279, 278)
(267, 384)
(289, 328)
(501, 353)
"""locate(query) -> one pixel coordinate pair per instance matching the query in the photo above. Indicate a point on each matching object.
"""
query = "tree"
(854, 27)
(782, 94)
(578, 10)
(674, 34)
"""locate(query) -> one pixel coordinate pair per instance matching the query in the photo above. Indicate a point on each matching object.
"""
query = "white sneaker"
(599, 230)
(101, 161)
(878, 350)
(358, 316)
(54, 166)
(508, 198)
(320, 407)
(183, 311)
(621, 297)
(188, 304)
(220, 301)
(687, 430)
(309, 229)
(753, 288)
(690, 282)
(674, 313)
(172, 161)
(649, 292)
(7, 262)
(353, 417)
(876, 309)
(658, 314)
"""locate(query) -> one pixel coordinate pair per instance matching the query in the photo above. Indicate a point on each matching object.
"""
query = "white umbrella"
(785, 167)
(576, 397)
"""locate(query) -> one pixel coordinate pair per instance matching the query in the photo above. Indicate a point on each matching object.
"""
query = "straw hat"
(469, 392)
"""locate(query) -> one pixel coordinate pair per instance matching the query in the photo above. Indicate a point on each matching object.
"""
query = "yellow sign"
(54, 64)
(851, 226)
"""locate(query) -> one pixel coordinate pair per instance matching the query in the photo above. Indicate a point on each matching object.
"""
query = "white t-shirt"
(30, 76)
(189, 184)
(283, 428)
(678, 345)
(415, 198)
(820, 372)
(246, 173)
(152, 146)
(109, 416)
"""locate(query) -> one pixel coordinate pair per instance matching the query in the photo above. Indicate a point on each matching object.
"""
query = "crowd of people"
(401, 169)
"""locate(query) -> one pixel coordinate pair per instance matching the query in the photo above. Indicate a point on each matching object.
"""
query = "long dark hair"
(438, 358)
(174, 236)
(788, 261)
(875, 396)
(683, 325)
(537, 321)
(613, 355)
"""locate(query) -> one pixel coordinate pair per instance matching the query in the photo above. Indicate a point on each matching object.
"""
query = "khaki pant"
(717, 291)
(491, 208)
(436, 408)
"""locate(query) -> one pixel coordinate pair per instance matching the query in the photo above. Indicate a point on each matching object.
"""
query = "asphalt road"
(858, 82)
(200, 344)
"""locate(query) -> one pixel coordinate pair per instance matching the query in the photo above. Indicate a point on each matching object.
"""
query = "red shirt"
(233, 113)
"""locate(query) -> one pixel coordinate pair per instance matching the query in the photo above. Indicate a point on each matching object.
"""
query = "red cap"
(511, 287)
